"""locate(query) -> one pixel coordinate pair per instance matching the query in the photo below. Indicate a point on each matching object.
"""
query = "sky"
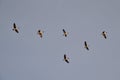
(26, 56)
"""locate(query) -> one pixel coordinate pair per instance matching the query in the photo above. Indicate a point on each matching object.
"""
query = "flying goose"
(65, 33)
(40, 33)
(85, 45)
(66, 58)
(15, 28)
(104, 34)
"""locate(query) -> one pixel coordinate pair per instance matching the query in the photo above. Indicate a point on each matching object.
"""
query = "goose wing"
(14, 25)
(65, 56)
(85, 43)
(67, 60)
(16, 30)
(64, 31)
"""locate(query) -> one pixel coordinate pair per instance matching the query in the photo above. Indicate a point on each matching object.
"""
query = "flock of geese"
(40, 33)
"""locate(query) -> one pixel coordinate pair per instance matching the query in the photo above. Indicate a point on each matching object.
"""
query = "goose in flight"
(104, 34)
(66, 58)
(40, 33)
(15, 28)
(85, 45)
(65, 33)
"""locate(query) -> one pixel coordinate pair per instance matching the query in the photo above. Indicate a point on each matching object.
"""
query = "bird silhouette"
(65, 33)
(104, 34)
(66, 58)
(85, 45)
(40, 33)
(15, 28)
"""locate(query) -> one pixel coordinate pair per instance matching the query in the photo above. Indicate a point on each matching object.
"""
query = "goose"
(15, 28)
(65, 33)
(40, 33)
(86, 46)
(66, 58)
(104, 34)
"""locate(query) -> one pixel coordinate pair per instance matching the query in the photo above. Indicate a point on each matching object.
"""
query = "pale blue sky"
(25, 56)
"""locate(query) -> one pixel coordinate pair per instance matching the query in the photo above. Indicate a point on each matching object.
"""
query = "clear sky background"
(25, 56)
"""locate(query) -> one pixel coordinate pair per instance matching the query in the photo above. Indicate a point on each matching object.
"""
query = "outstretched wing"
(14, 25)
(65, 56)
(64, 31)
(87, 48)
(67, 60)
(16, 30)
(105, 36)
(85, 43)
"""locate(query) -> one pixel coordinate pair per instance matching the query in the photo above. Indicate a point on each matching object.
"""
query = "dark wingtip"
(63, 30)
(87, 48)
